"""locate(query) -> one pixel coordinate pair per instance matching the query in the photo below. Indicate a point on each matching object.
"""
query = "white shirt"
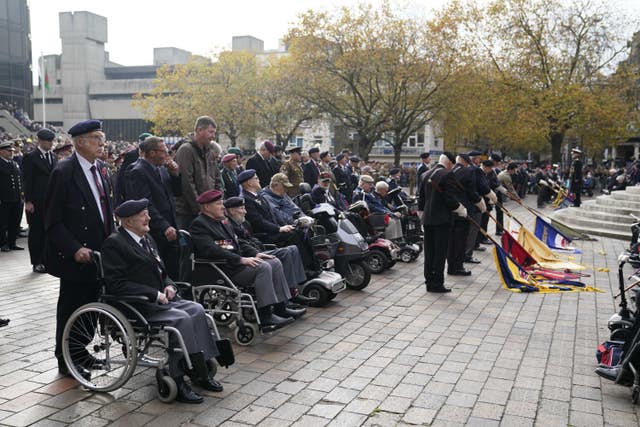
(44, 155)
(86, 168)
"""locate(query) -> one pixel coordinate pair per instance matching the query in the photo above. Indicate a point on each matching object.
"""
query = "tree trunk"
(397, 148)
(556, 140)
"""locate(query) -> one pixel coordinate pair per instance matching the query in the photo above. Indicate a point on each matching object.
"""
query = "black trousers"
(484, 223)
(499, 214)
(72, 296)
(457, 244)
(170, 254)
(577, 191)
(10, 216)
(436, 241)
(36, 233)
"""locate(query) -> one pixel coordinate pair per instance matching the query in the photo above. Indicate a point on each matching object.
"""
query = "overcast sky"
(135, 27)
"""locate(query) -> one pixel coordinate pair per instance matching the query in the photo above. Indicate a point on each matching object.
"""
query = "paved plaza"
(389, 355)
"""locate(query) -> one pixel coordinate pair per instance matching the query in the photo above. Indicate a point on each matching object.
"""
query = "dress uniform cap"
(576, 150)
(394, 171)
(144, 136)
(246, 175)
(281, 178)
(234, 202)
(45, 135)
(366, 178)
(228, 157)
(425, 155)
(234, 150)
(314, 150)
(354, 159)
(8, 145)
(131, 208)
(209, 196)
(270, 147)
(325, 176)
(63, 147)
(294, 150)
(474, 153)
(85, 127)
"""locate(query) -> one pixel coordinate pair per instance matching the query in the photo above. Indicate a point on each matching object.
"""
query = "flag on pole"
(540, 251)
(46, 81)
(552, 237)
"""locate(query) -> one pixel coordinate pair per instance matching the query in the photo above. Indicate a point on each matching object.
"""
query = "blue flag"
(552, 237)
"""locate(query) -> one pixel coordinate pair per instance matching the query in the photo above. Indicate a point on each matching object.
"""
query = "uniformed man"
(229, 175)
(476, 213)
(341, 174)
(260, 162)
(37, 167)
(437, 201)
(425, 162)
(354, 170)
(10, 199)
(293, 169)
(276, 160)
(239, 158)
(78, 219)
(312, 167)
(575, 176)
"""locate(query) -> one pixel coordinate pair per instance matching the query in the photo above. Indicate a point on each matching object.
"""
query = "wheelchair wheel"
(357, 276)
(212, 300)
(99, 338)
(167, 389)
(245, 334)
(318, 292)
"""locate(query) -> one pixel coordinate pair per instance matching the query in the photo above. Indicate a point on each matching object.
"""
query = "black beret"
(425, 155)
(511, 166)
(246, 175)
(314, 150)
(45, 135)
(131, 208)
(85, 127)
(294, 150)
(339, 157)
(488, 163)
(465, 157)
(474, 153)
(234, 202)
(355, 159)
(394, 171)
(324, 154)
(450, 156)
(496, 158)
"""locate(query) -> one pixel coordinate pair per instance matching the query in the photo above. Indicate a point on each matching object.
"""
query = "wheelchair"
(226, 303)
(111, 338)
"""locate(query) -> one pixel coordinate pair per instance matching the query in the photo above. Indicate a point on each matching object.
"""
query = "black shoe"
(63, 370)
(438, 289)
(301, 299)
(498, 233)
(39, 269)
(486, 241)
(462, 272)
(480, 249)
(610, 373)
(16, 248)
(276, 321)
(210, 384)
(5, 248)
(472, 260)
(4, 322)
(186, 393)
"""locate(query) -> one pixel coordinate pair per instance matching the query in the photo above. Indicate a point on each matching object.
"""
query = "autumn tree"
(551, 54)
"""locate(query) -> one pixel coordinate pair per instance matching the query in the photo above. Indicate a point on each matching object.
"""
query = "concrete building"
(15, 54)
(84, 83)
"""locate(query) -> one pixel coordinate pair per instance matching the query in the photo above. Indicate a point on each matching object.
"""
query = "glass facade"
(15, 54)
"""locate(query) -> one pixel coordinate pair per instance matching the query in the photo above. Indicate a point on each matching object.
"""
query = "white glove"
(502, 189)
(492, 197)
(481, 205)
(543, 182)
(461, 211)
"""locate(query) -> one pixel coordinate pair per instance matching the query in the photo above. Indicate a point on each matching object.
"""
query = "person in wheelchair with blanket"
(214, 239)
(132, 267)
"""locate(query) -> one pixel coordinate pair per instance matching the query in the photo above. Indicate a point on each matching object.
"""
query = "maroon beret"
(209, 196)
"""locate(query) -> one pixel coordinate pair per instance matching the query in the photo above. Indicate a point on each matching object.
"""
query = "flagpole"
(44, 89)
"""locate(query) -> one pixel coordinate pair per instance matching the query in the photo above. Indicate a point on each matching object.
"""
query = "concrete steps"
(606, 215)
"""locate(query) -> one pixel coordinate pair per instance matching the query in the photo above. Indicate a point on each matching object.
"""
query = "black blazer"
(262, 167)
(259, 214)
(466, 191)
(72, 219)
(36, 172)
(157, 185)
(209, 236)
(121, 179)
(311, 172)
(343, 182)
(10, 182)
(131, 270)
(231, 186)
(437, 196)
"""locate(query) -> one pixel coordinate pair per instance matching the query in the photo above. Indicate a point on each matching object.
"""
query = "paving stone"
(420, 416)
(341, 395)
(487, 410)
(362, 406)
(290, 411)
(395, 404)
(28, 416)
(252, 414)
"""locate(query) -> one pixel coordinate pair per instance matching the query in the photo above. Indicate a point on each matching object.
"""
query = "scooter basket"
(324, 246)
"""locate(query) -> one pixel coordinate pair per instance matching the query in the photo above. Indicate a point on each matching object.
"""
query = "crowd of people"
(83, 196)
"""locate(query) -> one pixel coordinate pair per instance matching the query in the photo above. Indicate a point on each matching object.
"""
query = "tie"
(48, 155)
(147, 247)
(103, 200)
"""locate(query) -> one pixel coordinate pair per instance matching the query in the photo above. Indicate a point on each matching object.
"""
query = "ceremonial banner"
(552, 237)
(540, 252)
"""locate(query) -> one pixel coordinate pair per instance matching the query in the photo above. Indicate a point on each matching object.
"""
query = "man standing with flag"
(437, 202)
(575, 176)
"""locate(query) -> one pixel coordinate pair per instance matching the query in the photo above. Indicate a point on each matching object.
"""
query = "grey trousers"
(268, 280)
(473, 234)
(292, 265)
(189, 318)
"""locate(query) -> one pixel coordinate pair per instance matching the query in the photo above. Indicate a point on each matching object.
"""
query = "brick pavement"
(389, 355)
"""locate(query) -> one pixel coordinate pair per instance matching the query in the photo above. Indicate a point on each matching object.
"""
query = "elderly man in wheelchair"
(133, 269)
